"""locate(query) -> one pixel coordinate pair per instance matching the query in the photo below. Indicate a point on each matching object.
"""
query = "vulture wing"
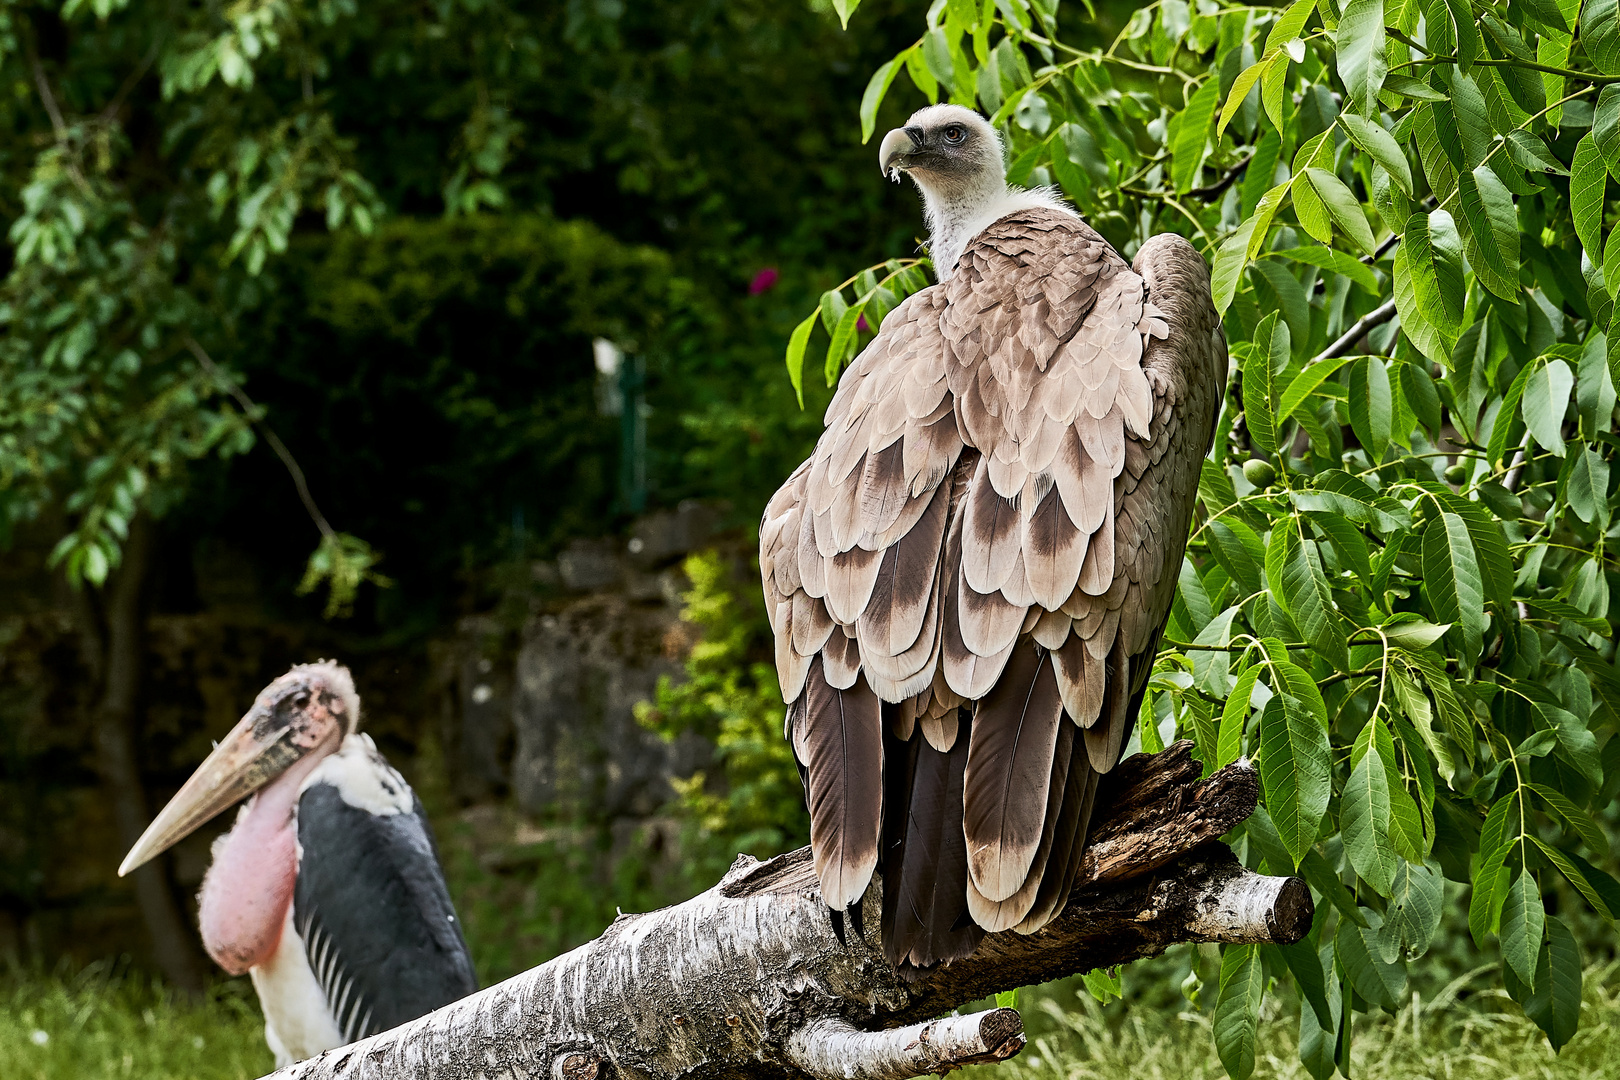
(992, 522)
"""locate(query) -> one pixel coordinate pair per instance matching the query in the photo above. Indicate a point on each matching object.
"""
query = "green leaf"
(1497, 448)
(795, 354)
(1602, 40)
(1258, 390)
(1546, 399)
(833, 307)
(1599, 889)
(843, 341)
(1342, 203)
(1239, 552)
(1374, 980)
(1490, 544)
(1451, 580)
(1347, 541)
(876, 88)
(1490, 231)
(1304, 960)
(1344, 494)
(1413, 914)
(1587, 178)
(1371, 405)
(1288, 25)
(1379, 145)
(1437, 280)
(1472, 117)
(1416, 89)
(1193, 134)
(1606, 127)
(1241, 86)
(1555, 1004)
(1306, 382)
(1490, 891)
(1296, 306)
(1587, 490)
(1325, 880)
(1312, 213)
(1237, 1009)
(1579, 820)
(1364, 815)
(1294, 770)
(1362, 59)
(1414, 324)
(845, 9)
(1528, 152)
(1230, 259)
(1468, 46)
(1234, 717)
(1336, 261)
(1294, 569)
(1523, 918)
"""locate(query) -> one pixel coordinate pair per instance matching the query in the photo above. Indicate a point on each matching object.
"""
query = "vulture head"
(947, 150)
(304, 714)
(957, 161)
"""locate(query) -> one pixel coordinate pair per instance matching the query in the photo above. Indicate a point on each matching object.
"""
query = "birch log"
(749, 979)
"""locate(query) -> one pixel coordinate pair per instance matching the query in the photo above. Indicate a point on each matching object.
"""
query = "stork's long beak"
(240, 765)
(897, 148)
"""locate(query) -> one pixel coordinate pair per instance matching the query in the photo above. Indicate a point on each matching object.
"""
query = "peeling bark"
(749, 980)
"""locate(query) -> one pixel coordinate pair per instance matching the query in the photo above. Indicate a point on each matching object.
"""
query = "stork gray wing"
(1070, 398)
(375, 916)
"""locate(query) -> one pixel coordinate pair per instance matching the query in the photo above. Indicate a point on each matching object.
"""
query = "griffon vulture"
(968, 578)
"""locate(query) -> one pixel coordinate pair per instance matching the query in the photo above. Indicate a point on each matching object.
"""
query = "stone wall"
(560, 690)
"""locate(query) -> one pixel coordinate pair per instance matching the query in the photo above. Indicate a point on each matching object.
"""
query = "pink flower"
(860, 323)
(763, 280)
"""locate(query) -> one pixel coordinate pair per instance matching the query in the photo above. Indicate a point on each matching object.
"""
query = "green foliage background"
(1396, 595)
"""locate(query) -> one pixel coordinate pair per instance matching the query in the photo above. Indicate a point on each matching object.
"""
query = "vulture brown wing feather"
(843, 735)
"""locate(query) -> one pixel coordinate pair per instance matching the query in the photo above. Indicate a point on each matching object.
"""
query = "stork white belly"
(298, 1022)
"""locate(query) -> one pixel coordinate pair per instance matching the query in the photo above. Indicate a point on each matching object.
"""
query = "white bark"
(749, 979)
(832, 1049)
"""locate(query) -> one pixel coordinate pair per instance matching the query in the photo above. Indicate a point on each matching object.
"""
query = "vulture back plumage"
(968, 578)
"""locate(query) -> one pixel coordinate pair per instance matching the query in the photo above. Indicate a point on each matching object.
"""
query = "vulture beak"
(257, 750)
(897, 149)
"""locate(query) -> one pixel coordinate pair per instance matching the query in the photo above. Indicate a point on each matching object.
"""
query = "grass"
(102, 1024)
(1464, 1033)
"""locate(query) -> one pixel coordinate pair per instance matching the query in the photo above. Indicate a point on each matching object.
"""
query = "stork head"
(304, 713)
(950, 152)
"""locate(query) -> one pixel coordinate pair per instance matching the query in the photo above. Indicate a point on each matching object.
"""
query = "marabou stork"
(328, 890)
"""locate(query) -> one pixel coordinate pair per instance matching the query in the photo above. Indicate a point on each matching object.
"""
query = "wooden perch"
(749, 980)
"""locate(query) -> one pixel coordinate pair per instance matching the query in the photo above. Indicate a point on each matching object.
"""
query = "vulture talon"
(856, 919)
(836, 917)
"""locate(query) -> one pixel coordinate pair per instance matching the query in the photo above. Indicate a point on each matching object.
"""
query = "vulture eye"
(955, 134)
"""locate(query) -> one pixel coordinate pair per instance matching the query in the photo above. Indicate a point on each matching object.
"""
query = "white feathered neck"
(958, 217)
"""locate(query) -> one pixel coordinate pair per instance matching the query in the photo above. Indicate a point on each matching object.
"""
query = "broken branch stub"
(749, 980)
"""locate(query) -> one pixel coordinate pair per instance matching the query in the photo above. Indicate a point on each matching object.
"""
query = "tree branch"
(749, 980)
(254, 415)
(1374, 318)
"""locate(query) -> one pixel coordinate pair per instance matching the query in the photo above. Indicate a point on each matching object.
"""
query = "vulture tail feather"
(925, 916)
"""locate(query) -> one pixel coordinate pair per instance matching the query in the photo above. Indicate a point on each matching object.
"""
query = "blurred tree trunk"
(112, 631)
